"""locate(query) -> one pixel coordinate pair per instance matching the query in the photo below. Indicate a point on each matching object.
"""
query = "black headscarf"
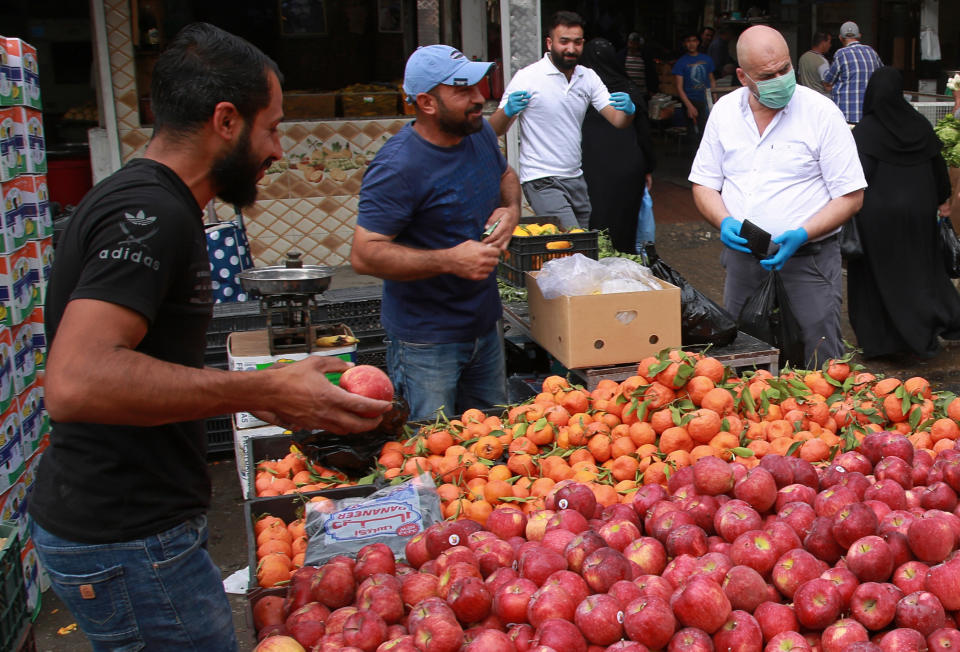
(599, 55)
(891, 130)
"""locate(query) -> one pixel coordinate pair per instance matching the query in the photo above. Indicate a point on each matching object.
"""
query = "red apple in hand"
(368, 381)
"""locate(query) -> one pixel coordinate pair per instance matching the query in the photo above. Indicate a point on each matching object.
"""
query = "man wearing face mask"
(551, 97)
(781, 156)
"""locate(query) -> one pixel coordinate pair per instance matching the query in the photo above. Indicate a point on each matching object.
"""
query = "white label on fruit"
(620, 617)
(562, 503)
(454, 539)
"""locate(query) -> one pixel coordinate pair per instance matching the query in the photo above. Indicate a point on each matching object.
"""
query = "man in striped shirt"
(850, 71)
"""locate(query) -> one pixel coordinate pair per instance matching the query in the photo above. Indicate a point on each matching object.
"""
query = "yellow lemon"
(559, 244)
(520, 231)
(549, 229)
(533, 229)
(576, 230)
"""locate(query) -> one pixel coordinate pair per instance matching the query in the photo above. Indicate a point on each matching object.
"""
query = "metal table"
(746, 351)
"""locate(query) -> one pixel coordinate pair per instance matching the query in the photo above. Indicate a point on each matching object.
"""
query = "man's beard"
(234, 174)
(562, 62)
(455, 125)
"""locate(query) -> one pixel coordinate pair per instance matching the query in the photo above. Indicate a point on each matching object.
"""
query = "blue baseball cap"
(431, 65)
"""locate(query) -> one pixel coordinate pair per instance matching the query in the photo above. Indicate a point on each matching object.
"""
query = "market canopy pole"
(522, 45)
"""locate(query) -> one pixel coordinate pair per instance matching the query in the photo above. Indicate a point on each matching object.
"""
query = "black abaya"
(900, 297)
(615, 161)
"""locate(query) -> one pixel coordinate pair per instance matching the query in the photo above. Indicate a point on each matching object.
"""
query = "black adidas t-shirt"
(135, 240)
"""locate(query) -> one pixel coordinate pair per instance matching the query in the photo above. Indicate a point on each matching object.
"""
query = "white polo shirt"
(805, 158)
(550, 125)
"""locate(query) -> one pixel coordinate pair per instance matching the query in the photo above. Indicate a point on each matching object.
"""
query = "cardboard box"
(7, 382)
(604, 329)
(24, 365)
(31, 578)
(13, 156)
(241, 450)
(250, 351)
(12, 459)
(16, 206)
(30, 124)
(45, 425)
(19, 74)
(38, 220)
(39, 338)
(40, 256)
(16, 292)
(31, 417)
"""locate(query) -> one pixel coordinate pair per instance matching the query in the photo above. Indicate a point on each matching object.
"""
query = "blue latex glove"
(730, 234)
(516, 102)
(622, 102)
(789, 242)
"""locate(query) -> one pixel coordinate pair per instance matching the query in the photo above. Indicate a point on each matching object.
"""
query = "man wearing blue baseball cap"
(437, 206)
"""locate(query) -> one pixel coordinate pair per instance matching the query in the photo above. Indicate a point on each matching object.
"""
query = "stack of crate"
(26, 258)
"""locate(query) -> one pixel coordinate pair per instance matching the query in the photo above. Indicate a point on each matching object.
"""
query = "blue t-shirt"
(433, 197)
(695, 70)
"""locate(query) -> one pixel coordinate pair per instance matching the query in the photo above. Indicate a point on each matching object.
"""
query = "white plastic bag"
(570, 276)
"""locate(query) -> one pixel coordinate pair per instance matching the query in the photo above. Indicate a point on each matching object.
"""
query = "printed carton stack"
(26, 256)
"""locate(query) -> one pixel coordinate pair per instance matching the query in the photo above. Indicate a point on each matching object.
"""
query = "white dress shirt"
(550, 125)
(778, 180)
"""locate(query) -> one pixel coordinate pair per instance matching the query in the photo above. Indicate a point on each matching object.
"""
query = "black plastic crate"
(229, 318)
(13, 593)
(529, 253)
(219, 434)
(357, 323)
(346, 303)
(375, 356)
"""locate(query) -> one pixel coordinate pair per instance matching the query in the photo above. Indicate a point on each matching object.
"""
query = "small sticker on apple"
(562, 503)
(454, 539)
(620, 617)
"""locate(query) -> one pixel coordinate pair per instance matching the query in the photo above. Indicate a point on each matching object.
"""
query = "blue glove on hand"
(516, 102)
(730, 234)
(789, 242)
(622, 102)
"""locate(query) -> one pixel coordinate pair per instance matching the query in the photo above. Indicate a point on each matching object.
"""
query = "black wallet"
(758, 240)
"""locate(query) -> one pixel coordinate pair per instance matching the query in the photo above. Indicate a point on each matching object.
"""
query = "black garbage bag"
(702, 320)
(354, 453)
(951, 247)
(767, 316)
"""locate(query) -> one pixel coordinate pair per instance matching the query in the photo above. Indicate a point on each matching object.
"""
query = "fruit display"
(685, 508)
(295, 473)
(527, 230)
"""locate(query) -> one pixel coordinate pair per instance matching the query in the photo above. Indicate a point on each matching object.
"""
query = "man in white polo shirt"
(781, 156)
(551, 97)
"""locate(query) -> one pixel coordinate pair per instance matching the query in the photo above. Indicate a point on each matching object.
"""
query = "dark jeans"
(162, 592)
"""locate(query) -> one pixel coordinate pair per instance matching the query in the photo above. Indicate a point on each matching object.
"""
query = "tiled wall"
(309, 201)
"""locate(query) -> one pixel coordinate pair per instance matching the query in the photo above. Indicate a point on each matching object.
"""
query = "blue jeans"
(162, 592)
(453, 376)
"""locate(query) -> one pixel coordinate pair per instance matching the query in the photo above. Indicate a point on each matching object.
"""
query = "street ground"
(683, 239)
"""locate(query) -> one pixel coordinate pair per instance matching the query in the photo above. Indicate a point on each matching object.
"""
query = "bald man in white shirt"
(781, 156)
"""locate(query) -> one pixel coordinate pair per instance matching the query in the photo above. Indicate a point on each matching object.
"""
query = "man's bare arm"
(618, 119)
(500, 122)
(96, 375)
(710, 204)
(833, 214)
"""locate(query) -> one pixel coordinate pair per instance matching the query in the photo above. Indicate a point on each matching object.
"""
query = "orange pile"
(294, 473)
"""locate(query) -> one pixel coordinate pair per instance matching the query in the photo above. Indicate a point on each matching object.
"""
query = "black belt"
(813, 248)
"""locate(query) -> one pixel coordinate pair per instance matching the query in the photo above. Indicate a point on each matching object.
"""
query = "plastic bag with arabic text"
(392, 515)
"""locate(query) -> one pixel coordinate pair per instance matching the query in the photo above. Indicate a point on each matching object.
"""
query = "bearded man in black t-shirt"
(121, 494)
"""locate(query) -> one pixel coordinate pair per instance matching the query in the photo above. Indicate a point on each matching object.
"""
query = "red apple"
(754, 549)
(506, 522)
(686, 540)
(845, 581)
(921, 611)
(788, 641)
(712, 476)
(870, 559)
(944, 639)
(619, 534)
(739, 632)
(438, 634)
(537, 564)
(794, 493)
(308, 623)
(600, 619)
(799, 516)
(368, 381)
(334, 585)
(839, 636)
(903, 640)
(569, 582)
(817, 603)
(873, 605)
(650, 621)
(735, 517)
(550, 601)
(775, 618)
(647, 553)
(793, 569)
(470, 599)
(744, 588)
(701, 603)
(931, 539)
(384, 601)
(690, 639)
(581, 546)
(911, 576)
(943, 581)
(365, 630)
(489, 640)
(576, 496)
(604, 567)
(853, 522)
(510, 600)
(561, 635)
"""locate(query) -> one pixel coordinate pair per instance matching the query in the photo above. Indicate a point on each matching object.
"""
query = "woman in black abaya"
(899, 294)
(617, 163)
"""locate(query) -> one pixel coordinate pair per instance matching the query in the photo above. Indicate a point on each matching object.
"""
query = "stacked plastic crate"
(26, 257)
(358, 308)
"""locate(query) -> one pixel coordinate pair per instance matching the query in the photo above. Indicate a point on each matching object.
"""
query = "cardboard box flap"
(244, 344)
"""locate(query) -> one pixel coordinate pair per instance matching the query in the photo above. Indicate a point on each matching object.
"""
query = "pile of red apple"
(855, 556)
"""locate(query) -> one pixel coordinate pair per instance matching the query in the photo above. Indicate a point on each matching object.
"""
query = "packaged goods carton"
(11, 447)
(39, 338)
(250, 351)
(24, 365)
(19, 74)
(13, 155)
(241, 449)
(604, 329)
(30, 124)
(17, 295)
(31, 401)
(7, 392)
(38, 220)
(31, 577)
(40, 258)
(16, 206)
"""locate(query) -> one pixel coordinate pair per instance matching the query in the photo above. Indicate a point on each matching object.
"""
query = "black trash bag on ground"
(354, 453)
(767, 316)
(702, 320)
(951, 247)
